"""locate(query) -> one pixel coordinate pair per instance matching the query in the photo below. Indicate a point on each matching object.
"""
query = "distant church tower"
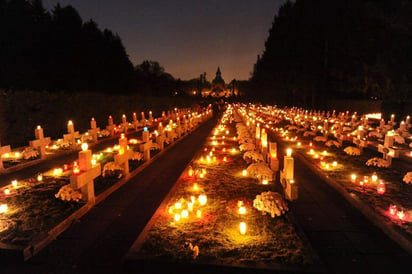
(218, 84)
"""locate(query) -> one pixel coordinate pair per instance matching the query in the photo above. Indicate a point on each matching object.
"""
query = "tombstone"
(145, 148)
(136, 122)
(392, 122)
(150, 118)
(143, 120)
(273, 157)
(257, 135)
(178, 128)
(389, 152)
(41, 142)
(287, 177)
(4, 149)
(145, 135)
(110, 126)
(170, 134)
(160, 129)
(94, 130)
(125, 124)
(84, 179)
(160, 139)
(264, 142)
(122, 158)
(71, 135)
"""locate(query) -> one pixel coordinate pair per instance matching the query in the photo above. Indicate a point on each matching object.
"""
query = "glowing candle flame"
(242, 228)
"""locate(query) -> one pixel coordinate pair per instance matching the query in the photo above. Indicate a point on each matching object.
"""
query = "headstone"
(41, 142)
(389, 152)
(71, 135)
(287, 177)
(136, 122)
(125, 124)
(143, 120)
(150, 118)
(110, 126)
(94, 130)
(84, 179)
(273, 154)
(3, 149)
(122, 158)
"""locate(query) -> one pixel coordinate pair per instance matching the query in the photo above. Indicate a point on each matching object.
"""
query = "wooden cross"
(41, 142)
(136, 123)
(389, 152)
(143, 120)
(71, 135)
(160, 139)
(145, 148)
(125, 124)
(122, 158)
(94, 130)
(110, 126)
(84, 179)
(5, 149)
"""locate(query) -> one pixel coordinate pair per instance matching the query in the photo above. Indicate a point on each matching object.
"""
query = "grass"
(268, 241)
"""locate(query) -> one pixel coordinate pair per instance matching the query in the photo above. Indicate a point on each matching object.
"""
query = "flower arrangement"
(334, 143)
(309, 133)
(104, 133)
(154, 146)
(399, 139)
(137, 156)
(353, 151)
(111, 169)
(67, 193)
(376, 134)
(320, 139)
(30, 153)
(270, 202)
(62, 144)
(408, 178)
(260, 171)
(247, 146)
(253, 156)
(378, 162)
(291, 127)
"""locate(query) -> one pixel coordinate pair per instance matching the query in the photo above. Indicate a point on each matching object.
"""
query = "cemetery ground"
(344, 240)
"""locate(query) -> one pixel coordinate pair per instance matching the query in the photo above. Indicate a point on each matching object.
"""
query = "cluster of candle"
(182, 208)
(396, 213)
(372, 180)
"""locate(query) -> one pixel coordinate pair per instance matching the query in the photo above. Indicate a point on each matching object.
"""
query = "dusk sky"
(186, 37)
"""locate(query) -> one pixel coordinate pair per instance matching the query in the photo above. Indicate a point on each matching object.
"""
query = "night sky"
(186, 37)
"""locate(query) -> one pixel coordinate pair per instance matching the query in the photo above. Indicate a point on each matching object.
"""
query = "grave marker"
(88, 171)
(3, 150)
(41, 142)
(94, 130)
(71, 135)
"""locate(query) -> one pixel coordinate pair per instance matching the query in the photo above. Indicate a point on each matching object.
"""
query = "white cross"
(41, 142)
(387, 148)
(84, 179)
(122, 158)
(5, 149)
(94, 130)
